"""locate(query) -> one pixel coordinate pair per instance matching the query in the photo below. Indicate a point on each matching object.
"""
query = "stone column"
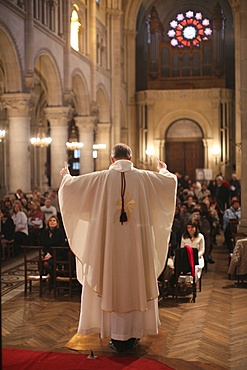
(29, 45)
(243, 112)
(159, 145)
(67, 50)
(130, 36)
(114, 21)
(236, 15)
(92, 46)
(3, 158)
(103, 137)
(215, 162)
(86, 129)
(18, 109)
(152, 164)
(58, 118)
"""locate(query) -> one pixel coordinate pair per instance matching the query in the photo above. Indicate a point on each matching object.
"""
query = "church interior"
(169, 79)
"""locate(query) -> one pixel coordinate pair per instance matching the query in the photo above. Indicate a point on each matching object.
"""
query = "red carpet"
(13, 359)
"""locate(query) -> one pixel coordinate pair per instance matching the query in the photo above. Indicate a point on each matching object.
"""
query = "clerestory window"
(74, 29)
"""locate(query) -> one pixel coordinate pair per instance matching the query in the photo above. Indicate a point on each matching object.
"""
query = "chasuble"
(118, 263)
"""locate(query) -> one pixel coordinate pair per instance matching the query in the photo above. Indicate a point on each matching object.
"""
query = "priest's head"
(121, 151)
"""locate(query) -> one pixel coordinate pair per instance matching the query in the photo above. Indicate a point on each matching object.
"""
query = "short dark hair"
(121, 151)
(196, 209)
(5, 212)
(184, 204)
(235, 201)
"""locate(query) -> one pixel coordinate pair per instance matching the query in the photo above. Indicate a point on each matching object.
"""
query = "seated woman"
(194, 239)
(35, 223)
(52, 236)
(7, 229)
(21, 228)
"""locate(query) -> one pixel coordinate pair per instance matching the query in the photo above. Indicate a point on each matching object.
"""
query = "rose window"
(189, 29)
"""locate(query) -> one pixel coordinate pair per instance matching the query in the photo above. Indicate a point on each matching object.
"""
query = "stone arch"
(49, 75)
(131, 13)
(132, 9)
(171, 117)
(186, 135)
(80, 94)
(10, 64)
(184, 128)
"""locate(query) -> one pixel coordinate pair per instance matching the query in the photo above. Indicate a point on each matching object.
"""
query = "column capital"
(17, 104)
(115, 13)
(235, 5)
(85, 123)
(57, 114)
(103, 127)
(130, 33)
(215, 104)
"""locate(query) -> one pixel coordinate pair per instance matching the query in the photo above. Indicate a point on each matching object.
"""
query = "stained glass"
(189, 29)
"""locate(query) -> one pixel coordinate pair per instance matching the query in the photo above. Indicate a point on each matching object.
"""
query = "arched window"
(74, 29)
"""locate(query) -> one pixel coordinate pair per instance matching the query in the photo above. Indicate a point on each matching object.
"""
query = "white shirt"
(48, 211)
(20, 221)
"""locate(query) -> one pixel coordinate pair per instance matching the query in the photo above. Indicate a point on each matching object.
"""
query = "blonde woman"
(21, 228)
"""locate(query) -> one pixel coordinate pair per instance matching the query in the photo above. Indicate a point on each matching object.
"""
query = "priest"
(118, 224)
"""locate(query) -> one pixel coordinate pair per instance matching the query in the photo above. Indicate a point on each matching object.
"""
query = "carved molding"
(148, 97)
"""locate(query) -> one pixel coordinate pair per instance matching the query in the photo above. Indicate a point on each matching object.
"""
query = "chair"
(35, 236)
(163, 280)
(239, 235)
(233, 227)
(33, 268)
(185, 280)
(8, 246)
(64, 269)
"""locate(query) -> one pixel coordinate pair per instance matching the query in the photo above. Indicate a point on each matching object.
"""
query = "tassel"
(123, 217)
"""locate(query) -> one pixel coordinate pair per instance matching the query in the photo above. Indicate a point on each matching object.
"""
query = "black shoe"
(118, 345)
(112, 346)
(123, 345)
(211, 261)
(132, 343)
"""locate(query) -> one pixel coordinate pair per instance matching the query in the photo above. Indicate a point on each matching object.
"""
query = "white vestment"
(118, 263)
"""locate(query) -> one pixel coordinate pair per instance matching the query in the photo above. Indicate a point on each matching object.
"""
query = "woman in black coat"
(52, 236)
(7, 229)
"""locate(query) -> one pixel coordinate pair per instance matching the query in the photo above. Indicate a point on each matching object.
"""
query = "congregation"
(203, 210)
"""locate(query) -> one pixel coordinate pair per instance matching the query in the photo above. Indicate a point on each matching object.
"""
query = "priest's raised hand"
(65, 171)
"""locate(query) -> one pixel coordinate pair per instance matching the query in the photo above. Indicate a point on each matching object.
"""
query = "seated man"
(234, 212)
